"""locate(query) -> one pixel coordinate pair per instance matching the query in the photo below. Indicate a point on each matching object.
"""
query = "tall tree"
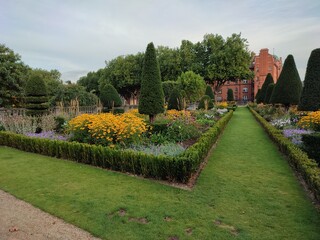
(263, 92)
(151, 100)
(310, 97)
(288, 88)
(13, 74)
(170, 63)
(193, 84)
(228, 60)
(91, 81)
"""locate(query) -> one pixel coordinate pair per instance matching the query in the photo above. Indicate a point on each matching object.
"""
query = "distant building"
(244, 90)
(263, 64)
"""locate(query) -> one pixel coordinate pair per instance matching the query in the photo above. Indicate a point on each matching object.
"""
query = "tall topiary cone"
(109, 96)
(287, 90)
(310, 97)
(209, 92)
(36, 96)
(257, 97)
(267, 81)
(151, 101)
(268, 93)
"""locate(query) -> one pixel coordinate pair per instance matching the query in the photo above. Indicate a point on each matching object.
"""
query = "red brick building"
(263, 64)
(245, 90)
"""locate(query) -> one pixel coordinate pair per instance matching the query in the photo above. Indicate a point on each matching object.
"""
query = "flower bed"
(298, 159)
(178, 168)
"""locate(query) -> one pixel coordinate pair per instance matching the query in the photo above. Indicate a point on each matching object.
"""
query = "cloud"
(78, 36)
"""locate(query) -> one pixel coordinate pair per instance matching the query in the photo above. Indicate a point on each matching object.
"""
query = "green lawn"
(247, 191)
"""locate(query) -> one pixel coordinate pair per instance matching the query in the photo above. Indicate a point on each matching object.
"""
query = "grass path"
(247, 191)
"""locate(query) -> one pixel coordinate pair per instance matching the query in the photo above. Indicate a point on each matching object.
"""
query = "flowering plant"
(295, 135)
(311, 121)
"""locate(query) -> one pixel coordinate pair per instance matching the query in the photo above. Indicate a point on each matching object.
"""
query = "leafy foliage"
(109, 96)
(205, 103)
(310, 97)
(13, 74)
(288, 88)
(151, 100)
(168, 87)
(193, 84)
(258, 95)
(91, 81)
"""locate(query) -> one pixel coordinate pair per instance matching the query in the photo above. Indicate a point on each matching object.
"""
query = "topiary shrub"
(209, 92)
(205, 103)
(36, 96)
(168, 87)
(268, 93)
(175, 100)
(288, 88)
(311, 145)
(109, 96)
(263, 93)
(151, 101)
(230, 96)
(310, 97)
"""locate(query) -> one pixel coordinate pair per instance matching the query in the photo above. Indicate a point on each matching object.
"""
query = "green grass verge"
(247, 191)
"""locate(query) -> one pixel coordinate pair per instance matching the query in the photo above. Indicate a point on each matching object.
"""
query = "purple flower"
(48, 135)
(295, 135)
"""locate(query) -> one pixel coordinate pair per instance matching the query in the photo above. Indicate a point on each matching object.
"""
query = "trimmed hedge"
(177, 169)
(298, 159)
(311, 145)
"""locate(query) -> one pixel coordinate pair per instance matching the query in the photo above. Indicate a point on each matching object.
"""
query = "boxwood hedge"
(298, 159)
(177, 169)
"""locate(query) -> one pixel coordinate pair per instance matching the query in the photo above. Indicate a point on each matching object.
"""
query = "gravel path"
(21, 221)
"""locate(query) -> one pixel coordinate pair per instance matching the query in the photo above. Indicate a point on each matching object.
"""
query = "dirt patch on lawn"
(21, 220)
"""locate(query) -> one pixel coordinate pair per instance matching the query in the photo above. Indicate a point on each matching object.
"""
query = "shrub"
(193, 84)
(36, 96)
(222, 105)
(109, 96)
(167, 149)
(205, 103)
(179, 131)
(230, 96)
(106, 129)
(311, 144)
(264, 88)
(310, 97)
(179, 168)
(288, 88)
(209, 93)
(168, 87)
(268, 93)
(175, 100)
(298, 159)
(151, 101)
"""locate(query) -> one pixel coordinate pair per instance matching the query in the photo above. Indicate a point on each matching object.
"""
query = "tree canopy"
(193, 84)
(13, 76)
(310, 97)
(109, 96)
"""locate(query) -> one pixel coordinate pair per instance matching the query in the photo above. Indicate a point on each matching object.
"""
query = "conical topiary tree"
(310, 97)
(109, 96)
(268, 93)
(205, 103)
(288, 88)
(257, 97)
(267, 81)
(36, 96)
(230, 96)
(151, 101)
(175, 100)
(209, 92)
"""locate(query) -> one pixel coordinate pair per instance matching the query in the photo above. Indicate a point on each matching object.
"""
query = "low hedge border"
(298, 159)
(177, 169)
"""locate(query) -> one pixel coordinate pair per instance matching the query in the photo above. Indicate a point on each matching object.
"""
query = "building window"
(220, 92)
(236, 89)
(219, 98)
(245, 98)
(245, 89)
(245, 81)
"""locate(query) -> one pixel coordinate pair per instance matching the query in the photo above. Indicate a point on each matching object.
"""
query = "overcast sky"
(77, 36)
